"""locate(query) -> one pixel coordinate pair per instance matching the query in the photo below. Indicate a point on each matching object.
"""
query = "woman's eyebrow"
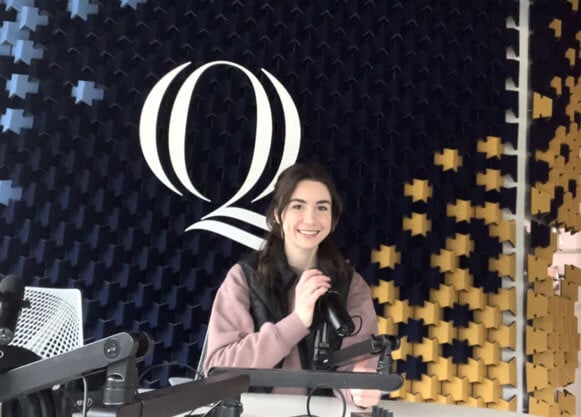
(300, 200)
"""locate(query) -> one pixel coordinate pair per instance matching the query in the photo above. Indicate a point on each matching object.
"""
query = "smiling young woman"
(305, 223)
(264, 314)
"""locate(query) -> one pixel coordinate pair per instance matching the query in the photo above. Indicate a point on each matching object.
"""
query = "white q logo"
(177, 146)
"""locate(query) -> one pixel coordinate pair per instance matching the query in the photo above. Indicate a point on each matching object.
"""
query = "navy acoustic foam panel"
(380, 88)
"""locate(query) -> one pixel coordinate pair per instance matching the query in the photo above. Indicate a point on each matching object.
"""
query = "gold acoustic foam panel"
(552, 340)
(479, 382)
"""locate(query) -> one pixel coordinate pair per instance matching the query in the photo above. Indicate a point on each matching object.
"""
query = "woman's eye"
(323, 208)
(297, 207)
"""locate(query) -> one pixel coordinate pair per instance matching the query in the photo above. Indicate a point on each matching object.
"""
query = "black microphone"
(336, 314)
(11, 302)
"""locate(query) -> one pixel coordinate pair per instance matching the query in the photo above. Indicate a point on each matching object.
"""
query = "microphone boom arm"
(45, 373)
(177, 399)
(117, 353)
(311, 379)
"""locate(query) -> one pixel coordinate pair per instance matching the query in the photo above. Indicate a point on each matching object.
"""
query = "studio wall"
(144, 204)
(552, 339)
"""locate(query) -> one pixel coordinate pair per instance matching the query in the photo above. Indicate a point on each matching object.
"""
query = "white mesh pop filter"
(54, 322)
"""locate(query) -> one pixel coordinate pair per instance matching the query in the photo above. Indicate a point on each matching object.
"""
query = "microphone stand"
(45, 373)
(321, 347)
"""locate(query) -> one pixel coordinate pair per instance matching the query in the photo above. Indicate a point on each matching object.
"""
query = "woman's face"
(307, 219)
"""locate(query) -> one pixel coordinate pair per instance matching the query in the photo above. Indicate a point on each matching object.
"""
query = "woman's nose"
(309, 216)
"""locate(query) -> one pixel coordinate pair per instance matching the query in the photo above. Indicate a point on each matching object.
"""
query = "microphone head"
(337, 316)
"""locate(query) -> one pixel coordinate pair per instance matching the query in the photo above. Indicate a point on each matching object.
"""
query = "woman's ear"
(279, 225)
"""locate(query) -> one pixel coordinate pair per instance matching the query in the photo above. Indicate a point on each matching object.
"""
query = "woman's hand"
(365, 397)
(311, 286)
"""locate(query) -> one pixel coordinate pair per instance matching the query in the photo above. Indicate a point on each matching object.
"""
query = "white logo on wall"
(260, 155)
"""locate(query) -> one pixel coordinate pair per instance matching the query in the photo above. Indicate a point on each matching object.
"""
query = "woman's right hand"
(311, 286)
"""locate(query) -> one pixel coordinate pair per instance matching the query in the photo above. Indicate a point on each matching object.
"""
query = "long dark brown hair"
(329, 259)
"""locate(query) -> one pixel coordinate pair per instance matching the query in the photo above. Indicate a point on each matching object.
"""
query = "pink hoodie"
(232, 341)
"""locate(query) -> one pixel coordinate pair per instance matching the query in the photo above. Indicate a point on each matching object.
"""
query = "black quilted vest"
(271, 304)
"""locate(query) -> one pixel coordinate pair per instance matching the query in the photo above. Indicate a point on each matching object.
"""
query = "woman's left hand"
(365, 397)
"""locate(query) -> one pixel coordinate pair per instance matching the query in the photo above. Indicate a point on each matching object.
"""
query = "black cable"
(360, 325)
(85, 396)
(317, 387)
